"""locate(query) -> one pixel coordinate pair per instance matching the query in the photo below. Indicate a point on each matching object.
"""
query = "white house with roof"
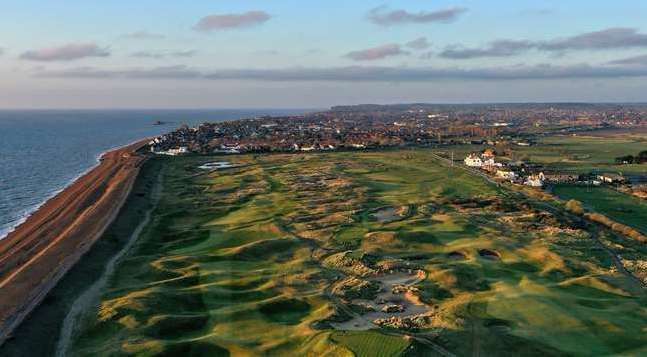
(490, 162)
(506, 174)
(182, 150)
(473, 160)
(535, 180)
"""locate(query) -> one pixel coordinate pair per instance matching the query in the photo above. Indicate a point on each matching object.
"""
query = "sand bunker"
(396, 301)
(390, 214)
(489, 254)
(457, 255)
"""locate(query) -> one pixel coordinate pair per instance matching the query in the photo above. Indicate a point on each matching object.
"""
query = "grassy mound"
(285, 311)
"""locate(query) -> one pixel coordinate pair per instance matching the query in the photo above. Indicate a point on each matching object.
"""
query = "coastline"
(42, 249)
(34, 208)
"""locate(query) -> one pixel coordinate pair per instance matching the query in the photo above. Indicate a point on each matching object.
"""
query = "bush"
(575, 207)
(616, 227)
(627, 159)
(598, 218)
(642, 157)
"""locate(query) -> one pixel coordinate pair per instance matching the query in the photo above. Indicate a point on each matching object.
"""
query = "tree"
(642, 157)
(627, 159)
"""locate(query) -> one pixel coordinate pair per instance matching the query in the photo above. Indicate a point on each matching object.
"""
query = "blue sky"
(216, 53)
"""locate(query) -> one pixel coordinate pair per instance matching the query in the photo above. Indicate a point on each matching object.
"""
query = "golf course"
(383, 253)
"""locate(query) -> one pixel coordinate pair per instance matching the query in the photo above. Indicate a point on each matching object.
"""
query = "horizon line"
(315, 108)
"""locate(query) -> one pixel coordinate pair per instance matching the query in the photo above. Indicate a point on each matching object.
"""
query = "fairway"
(361, 253)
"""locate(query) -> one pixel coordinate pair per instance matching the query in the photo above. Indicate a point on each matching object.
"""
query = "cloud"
(144, 35)
(636, 60)
(597, 40)
(69, 52)
(500, 48)
(166, 72)
(376, 53)
(362, 73)
(618, 37)
(427, 55)
(420, 43)
(163, 54)
(1, 51)
(231, 21)
(384, 17)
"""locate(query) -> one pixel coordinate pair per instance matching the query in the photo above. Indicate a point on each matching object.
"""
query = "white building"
(491, 163)
(473, 160)
(173, 152)
(535, 180)
(506, 174)
(229, 149)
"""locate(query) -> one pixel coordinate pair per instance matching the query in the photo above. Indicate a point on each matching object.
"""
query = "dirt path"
(89, 298)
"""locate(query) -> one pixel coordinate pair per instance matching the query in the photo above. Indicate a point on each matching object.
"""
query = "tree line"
(641, 158)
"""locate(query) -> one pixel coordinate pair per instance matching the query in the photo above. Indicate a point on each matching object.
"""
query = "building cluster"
(486, 161)
(536, 175)
(375, 126)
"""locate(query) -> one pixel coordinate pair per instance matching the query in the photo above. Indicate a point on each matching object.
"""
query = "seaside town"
(497, 130)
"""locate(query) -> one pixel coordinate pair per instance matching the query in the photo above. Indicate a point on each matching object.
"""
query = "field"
(582, 154)
(618, 206)
(273, 255)
(585, 153)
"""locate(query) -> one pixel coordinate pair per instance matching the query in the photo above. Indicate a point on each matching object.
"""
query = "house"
(173, 152)
(535, 180)
(473, 160)
(489, 154)
(506, 174)
(490, 162)
(560, 178)
(611, 178)
(229, 149)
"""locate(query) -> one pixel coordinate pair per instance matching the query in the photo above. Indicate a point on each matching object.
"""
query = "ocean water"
(41, 152)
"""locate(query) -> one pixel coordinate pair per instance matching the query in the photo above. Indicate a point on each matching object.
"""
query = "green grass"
(233, 262)
(367, 344)
(618, 206)
(580, 154)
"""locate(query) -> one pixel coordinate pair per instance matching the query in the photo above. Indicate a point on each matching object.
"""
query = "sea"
(43, 151)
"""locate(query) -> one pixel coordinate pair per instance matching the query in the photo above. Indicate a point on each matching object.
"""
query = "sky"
(315, 54)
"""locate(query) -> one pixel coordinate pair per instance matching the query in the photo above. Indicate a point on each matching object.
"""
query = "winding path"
(90, 297)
